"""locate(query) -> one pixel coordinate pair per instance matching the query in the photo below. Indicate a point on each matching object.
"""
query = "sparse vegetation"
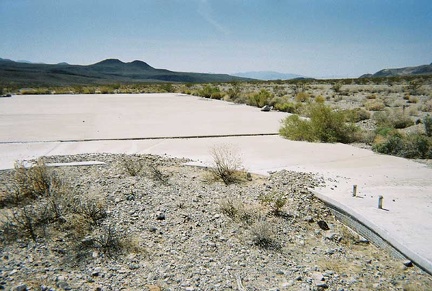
(276, 201)
(205, 223)
(262, 234)
(132, 165)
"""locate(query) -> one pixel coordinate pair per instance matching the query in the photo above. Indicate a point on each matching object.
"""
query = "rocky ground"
(173, 228)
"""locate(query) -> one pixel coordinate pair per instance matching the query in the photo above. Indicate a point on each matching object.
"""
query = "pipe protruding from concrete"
(354, 192)
(380, 202)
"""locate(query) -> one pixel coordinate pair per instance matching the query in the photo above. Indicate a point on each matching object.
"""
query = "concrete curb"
(373, 233)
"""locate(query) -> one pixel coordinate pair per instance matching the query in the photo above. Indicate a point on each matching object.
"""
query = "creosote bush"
(412, 146)
(324, 125)
(393, 119)
(261, 98)
(427, 121)
(374, 105)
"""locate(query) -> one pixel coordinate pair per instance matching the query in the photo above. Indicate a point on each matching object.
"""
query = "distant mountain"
(104, 72)
(407, 71)
(267, 75)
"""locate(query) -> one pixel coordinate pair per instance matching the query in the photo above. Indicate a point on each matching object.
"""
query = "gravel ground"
(182, 236)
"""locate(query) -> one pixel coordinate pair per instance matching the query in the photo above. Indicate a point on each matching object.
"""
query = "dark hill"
(104, 72)
(406, 71)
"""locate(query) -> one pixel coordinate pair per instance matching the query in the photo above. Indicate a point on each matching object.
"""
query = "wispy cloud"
(205, 10)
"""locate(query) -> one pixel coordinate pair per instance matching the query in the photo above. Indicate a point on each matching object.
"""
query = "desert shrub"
(374, 105)
(230, 207)
(319, 99)
(427, 106)
(263, 235)
(91, 207)
(238, 211)
(301, 97)
(325, 125)
(413, 99)
(169, 88)
(31, 182)
(337, 87)
(227, 165)
(261, 98)
(296, 128)
(30, 221)
(208, 91)
(287, 107)
(357, 114)
(408, 146)
(157, 175)
(109, 241)
(393, 119)
(234, 92)
(276, 201)
(132, 165)
(427, 121)
(44, 203)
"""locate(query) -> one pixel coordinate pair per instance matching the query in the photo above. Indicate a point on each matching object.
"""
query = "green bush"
(261, 98)
(302, 97)
(209, 91)
(392, 118)
(288, 107)
(325, 125)
(411, 146)
(374, 105)
(357, 114)
(427, 121)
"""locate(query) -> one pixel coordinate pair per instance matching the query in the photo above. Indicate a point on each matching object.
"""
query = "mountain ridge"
(103, 72)
(403, 71)
(267, 75)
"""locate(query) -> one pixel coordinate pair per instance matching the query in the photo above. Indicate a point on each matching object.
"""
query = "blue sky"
(317, 38)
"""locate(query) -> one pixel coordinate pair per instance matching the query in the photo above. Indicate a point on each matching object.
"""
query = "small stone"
(322, 285)
(21, 287)
(330, 235)
(134, 266)
(317, 276)
(323, 225)
(96, 271)
(287, 284)
(63, 285)
(363, 240)
(160, 216)
(308, 219)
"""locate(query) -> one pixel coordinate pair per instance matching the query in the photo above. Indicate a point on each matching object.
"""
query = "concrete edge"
(141, 138)
(373, 233)
(85, 163)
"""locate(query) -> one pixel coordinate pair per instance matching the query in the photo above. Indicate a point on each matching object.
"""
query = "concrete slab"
(82, 117)
(405, 185)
